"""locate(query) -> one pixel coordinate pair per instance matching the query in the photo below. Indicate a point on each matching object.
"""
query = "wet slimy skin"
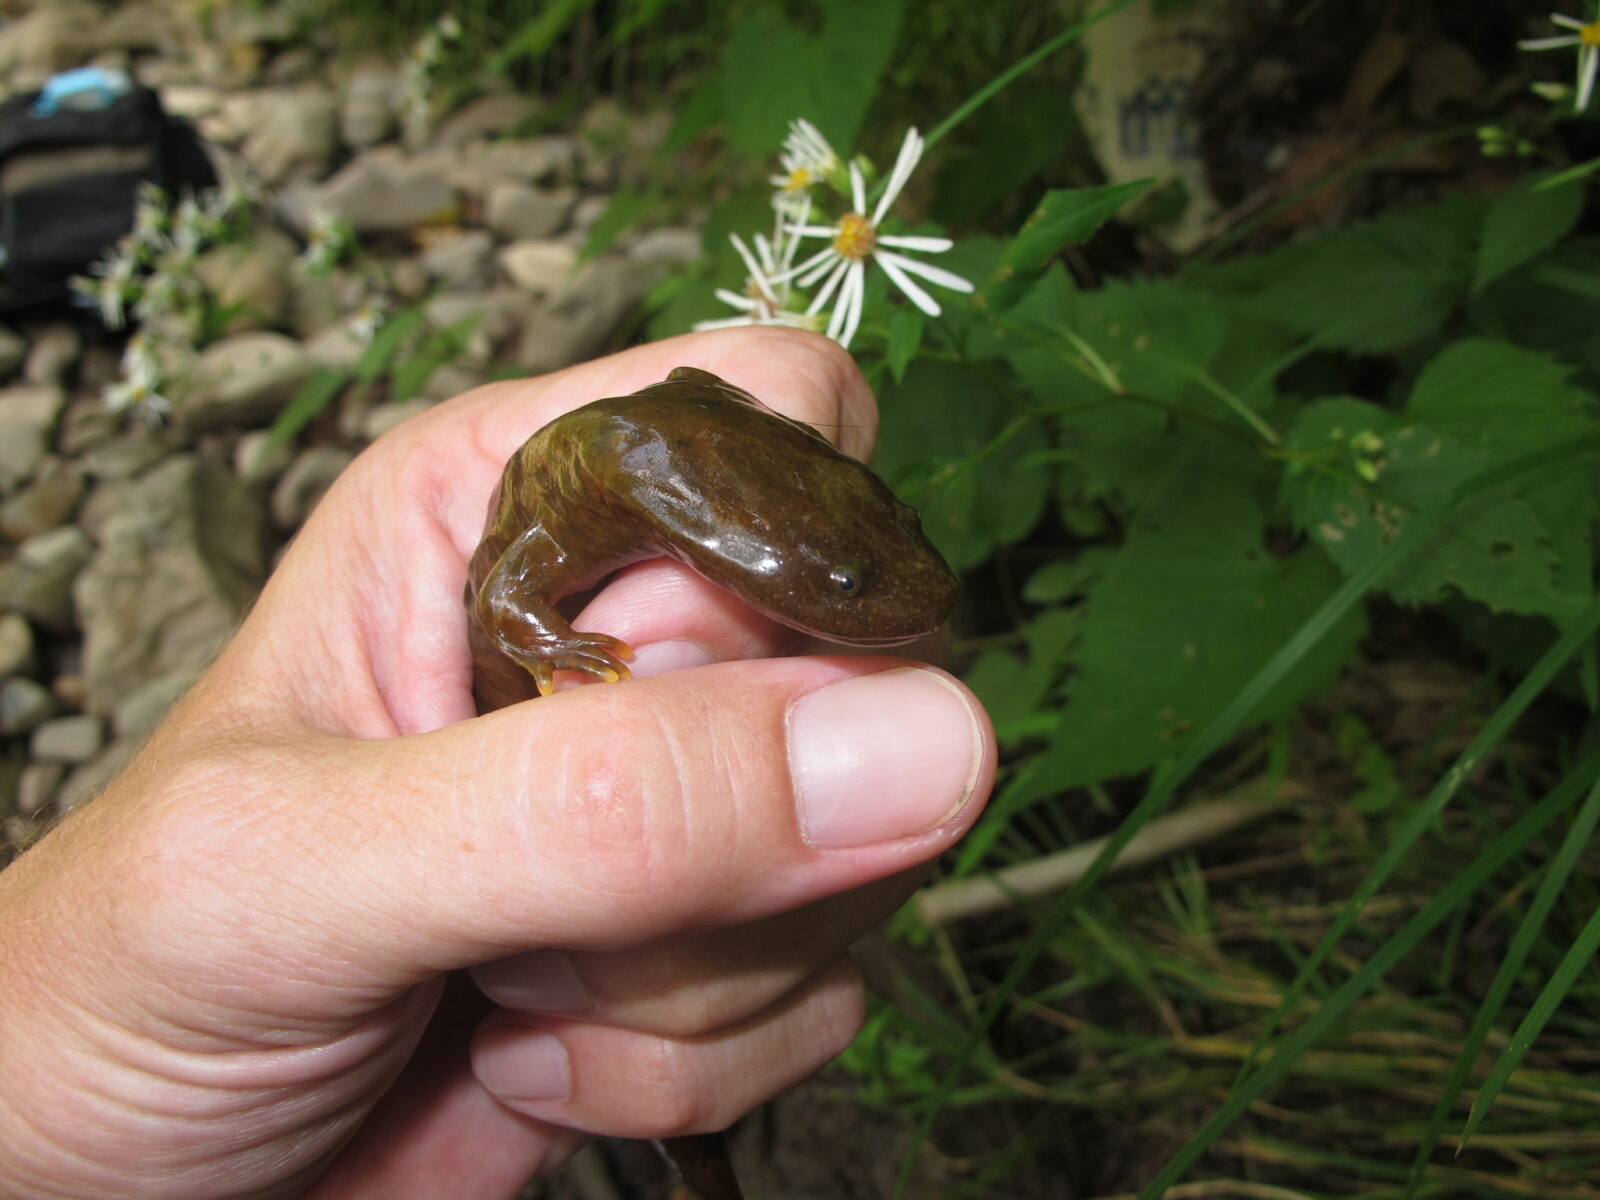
(695, 469)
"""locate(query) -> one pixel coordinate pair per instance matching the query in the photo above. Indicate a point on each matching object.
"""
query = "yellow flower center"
(856, 236)
(799, 180)
(1589, 34)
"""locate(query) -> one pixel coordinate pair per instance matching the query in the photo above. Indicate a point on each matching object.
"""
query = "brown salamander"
(695, 469)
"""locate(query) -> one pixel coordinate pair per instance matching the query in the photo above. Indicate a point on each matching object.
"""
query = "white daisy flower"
(364, 325)
(1586, 37)
(112, 284)
(765, 300)
(842, 265)
(136, 392)
(807, 158)
(326, 240)
(151, 217)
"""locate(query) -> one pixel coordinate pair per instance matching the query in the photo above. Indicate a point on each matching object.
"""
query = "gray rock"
(70, 740)
(451, 380)
(27, 416)
(302, 485)
(16, 645)
(87, 422)
(55, 348)
(340, 346)
(588, 313)
(381, 418)
(408, 279)
(475, 169)
(382, 192)
(36, 787)
(485, 117)
(142, 711)
(254, 463)
(38, 581)
(124, 455)
(459, 260)
(673, 245)
(583, 218)
(90, 779)
(174, 571)
(498, 314)
(43, 505)
(539, 268)
(51, 38)
(191, 101)
(242, 380)
(369, 108)
(24, 704)
(294, 128)
(521, 211)
(13, 349)
(250, 280)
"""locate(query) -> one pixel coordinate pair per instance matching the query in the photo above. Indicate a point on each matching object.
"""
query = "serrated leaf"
(952, 449)
(1523, 548)
(905, 336)
(1064, 217)
(1187, 611)
(1522, 223)
(1370, 288)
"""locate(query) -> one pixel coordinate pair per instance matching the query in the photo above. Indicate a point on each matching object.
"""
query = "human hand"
(238, 971)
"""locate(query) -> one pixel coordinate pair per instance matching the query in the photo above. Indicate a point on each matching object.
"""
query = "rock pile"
(127, 554)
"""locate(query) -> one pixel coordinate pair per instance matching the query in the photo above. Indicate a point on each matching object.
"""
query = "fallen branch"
(948, 902)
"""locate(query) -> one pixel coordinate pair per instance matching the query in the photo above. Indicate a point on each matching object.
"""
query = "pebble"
(16, 645)
(36, 787)
(70, 740)
(24, 704)
(303, 483)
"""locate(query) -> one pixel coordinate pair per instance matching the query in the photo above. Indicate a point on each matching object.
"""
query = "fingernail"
(882, 756)
(522, 1065)
(660, 657)
(538, 981)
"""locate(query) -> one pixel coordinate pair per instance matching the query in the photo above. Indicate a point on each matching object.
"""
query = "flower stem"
(1022, 66)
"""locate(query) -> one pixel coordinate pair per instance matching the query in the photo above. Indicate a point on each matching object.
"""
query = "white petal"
(825, 252)
(813, 230)
(824, 265)
(929, 245)
(735, 300)
(851, 299)
(927, 271)
(757, 275)
(1565, 22)
(1588, 60)
(819, 302)
(907, 285)
(723, 323)
(1551, 43)
(904, 164)
(858, 191)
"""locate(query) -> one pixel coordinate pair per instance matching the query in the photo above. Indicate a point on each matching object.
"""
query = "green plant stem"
(1020, 68)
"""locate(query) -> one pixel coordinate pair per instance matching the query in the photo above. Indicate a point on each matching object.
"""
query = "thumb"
(603, 816)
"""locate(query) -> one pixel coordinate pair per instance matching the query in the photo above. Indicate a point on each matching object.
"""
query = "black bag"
(69, 181)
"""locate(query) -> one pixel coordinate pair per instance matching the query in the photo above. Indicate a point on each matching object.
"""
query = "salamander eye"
(846, 580)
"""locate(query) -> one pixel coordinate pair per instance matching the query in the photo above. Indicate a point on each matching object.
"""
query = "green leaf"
(1523, 222)
(1063, 218)
(905, 335)
(952, 450)
(1370, 288)
(1186, 612)
(774, 72)
(319, 390)
(627, 208)
(1523, 548)
(386, 343)
(539, 34)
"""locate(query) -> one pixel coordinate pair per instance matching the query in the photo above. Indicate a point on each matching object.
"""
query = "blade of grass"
(1481, 870)
(1412, 830)
(1544, 1007)
(1556, 874)
(1165, 782)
